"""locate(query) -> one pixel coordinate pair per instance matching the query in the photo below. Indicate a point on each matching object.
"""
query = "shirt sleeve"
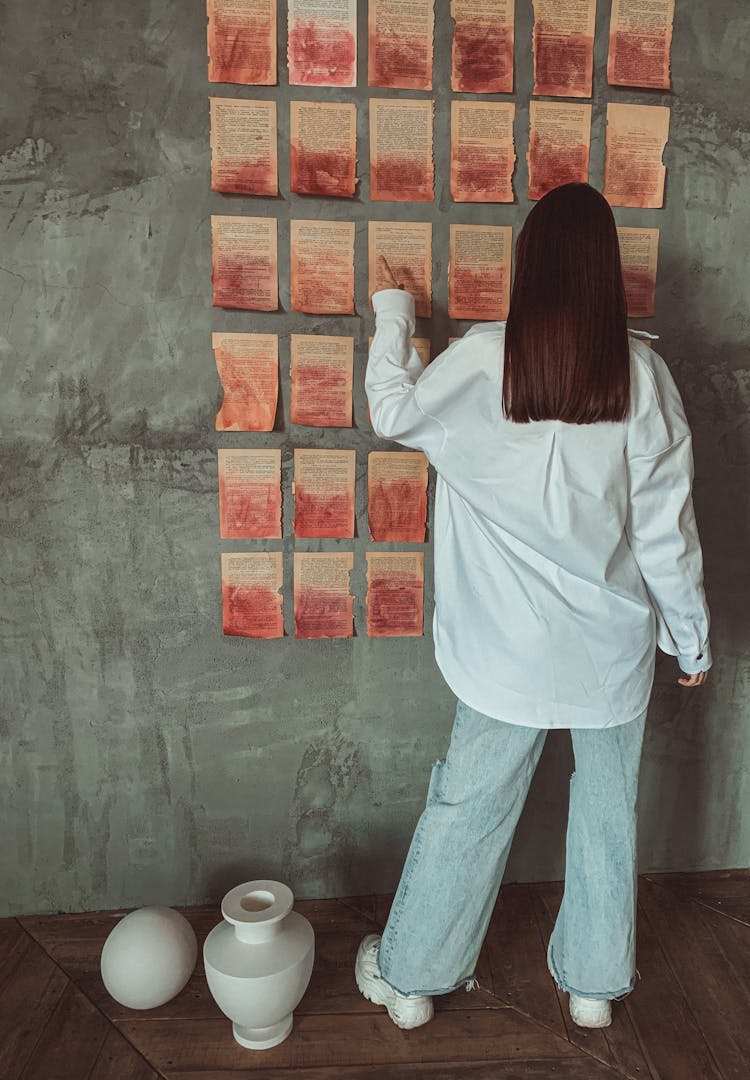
(393, 371)
(661, 527)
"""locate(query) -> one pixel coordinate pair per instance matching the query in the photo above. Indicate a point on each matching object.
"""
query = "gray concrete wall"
(147, 759)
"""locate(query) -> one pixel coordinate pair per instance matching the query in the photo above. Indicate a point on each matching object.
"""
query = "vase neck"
(255, 933)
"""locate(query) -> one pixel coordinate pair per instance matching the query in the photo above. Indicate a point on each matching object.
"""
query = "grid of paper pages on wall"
(295, 454)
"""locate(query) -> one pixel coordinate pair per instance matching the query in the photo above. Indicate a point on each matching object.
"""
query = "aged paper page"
(244, 263)
(243, 146)
(322, 42)
(395, 593)
(323, 604)
(323, 147)
(422, 345)
(559, 140)
(242, 41)
(401, 163)
(250, 494)
(482, 46)
(407, 246)
(563, 47)
(639, 250)
(322, 369)
(633, 169)
(250, 593)
(640, 40)
(479, 271)
(397, 495)
(482, 152)
(248, 367)
(324, 492)
(322, 267)
(400, 43)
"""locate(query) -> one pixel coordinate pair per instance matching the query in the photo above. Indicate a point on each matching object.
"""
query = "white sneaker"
(586, 1012)
(590, 1012)
(405, 1010)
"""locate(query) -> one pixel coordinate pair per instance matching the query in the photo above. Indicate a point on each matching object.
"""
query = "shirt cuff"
(691, 665)
(395, 302)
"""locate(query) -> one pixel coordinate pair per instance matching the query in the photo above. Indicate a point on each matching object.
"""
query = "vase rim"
(260, 901)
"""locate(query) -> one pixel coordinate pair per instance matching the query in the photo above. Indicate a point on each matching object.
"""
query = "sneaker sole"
(370, 990)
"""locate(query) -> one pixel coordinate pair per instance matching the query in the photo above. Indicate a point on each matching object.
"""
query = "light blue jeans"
(454, 868)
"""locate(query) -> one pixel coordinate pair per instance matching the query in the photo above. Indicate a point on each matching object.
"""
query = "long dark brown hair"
(566, 344)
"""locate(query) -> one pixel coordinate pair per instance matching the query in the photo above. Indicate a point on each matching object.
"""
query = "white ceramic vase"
(259, 961)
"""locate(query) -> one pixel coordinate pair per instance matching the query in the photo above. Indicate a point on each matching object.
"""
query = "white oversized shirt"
(564, 553)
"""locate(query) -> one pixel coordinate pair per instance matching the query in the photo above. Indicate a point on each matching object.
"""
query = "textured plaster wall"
(147, 759)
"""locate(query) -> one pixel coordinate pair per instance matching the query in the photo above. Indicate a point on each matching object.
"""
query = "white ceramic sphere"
(148, 957)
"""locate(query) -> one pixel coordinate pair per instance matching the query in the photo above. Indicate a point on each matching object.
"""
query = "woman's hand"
(386, 275)
(693, 680)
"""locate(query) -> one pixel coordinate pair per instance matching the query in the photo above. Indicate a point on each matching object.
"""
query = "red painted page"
(563, 47)
(639, 250)
(482, 152)
(401, 161)
(242, 41)
(322, 42)
(248, 367)
(559, 140)
(244, 263)
(482, 46)
(397, 495)
(633, 169)
(407, 246)
(323, 147)
(243, 146)
(400, 39)
(324, 493)
(479, 271)
(395, 593)
(322, 267)
(323, 604)
(250, 598)
(322, 369)
(250, 494)
(640, 40)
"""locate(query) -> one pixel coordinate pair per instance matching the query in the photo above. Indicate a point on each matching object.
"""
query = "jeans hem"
(605, 996)
(470, 984)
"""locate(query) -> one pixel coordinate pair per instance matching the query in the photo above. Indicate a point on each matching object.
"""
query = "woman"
(565, 550)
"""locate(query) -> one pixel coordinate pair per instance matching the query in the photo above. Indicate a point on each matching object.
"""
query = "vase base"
(262, 1038)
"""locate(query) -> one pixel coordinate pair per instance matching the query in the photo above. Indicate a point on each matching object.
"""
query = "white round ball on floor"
(148, 957)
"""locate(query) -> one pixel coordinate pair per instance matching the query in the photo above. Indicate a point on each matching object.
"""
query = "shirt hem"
(511, 716)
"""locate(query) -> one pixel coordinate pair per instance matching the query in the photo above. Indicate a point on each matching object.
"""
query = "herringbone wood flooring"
(687, 1019)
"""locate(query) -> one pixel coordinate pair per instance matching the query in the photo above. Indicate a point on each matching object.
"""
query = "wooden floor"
(687, 1019)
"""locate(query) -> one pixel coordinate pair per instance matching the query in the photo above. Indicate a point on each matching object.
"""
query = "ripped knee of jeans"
(437, 781)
